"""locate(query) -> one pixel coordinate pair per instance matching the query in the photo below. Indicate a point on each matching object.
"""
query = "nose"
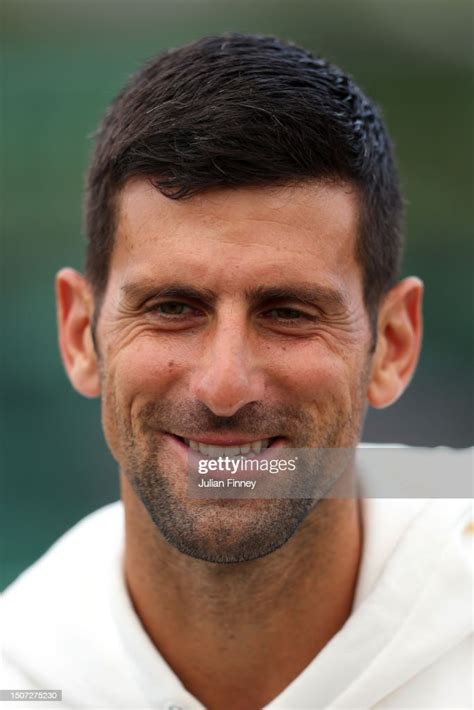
(227, 377)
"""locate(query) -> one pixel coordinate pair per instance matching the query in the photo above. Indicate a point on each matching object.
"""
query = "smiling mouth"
(250, 448)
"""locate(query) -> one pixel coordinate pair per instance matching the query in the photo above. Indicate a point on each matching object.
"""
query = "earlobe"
(398, 342)
(75, 304)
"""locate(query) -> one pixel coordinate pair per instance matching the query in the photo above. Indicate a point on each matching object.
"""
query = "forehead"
(233, 236)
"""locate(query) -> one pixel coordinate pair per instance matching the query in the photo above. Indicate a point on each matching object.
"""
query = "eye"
(172, 308)
(287, 319)
(175, 315)
(286, 314)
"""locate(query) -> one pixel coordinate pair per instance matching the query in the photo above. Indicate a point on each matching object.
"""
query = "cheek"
(134, 376)
(146, 369)
(315, 375)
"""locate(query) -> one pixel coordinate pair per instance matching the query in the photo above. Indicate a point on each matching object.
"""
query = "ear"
(399, 333)
(75, 307)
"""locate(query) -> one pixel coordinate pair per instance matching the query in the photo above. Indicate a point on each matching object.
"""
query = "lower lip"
(192, 457)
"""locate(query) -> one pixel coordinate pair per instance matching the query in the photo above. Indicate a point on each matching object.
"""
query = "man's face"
(232, 317)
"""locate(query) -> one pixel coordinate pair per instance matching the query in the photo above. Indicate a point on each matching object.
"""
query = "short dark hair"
(240, 110)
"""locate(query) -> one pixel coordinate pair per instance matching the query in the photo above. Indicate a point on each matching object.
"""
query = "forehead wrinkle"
(211, 209)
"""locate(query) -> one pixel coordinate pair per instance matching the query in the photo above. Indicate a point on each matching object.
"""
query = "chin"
(228, 532)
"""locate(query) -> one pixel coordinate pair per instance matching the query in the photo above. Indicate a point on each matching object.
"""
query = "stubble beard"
(224, 531)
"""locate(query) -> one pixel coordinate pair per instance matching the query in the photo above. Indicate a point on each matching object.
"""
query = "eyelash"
(155, 308)
(300, 314)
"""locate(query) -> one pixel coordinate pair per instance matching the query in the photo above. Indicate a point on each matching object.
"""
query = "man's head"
(237, 111)
(243, 217)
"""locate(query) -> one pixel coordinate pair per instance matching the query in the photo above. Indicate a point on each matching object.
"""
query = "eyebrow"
(311, 294)
(141, 292)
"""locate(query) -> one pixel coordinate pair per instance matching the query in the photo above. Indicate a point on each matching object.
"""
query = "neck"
(218, 625)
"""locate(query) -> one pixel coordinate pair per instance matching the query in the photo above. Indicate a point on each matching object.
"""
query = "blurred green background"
(62, 61)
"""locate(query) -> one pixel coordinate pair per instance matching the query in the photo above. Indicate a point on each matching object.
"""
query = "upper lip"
(225, 439)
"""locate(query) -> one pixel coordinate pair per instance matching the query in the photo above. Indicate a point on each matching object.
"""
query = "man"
(241, 300)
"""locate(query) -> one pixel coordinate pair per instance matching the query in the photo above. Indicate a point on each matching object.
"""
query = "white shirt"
(68, 622)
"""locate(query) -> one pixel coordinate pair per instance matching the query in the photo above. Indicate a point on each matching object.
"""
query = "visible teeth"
(257, 446)
(211, 450)
(222, 450)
